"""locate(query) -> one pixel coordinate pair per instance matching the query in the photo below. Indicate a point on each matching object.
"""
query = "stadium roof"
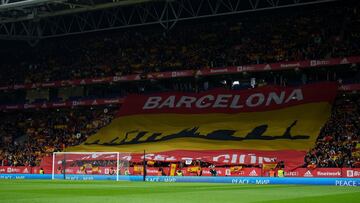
(19, 10)
(32, 20)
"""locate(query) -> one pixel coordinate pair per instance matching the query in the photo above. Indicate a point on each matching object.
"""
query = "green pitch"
(46, 191)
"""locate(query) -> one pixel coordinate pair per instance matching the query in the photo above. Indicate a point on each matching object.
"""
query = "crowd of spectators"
(27, 136)
(292, 34)
(339, 140)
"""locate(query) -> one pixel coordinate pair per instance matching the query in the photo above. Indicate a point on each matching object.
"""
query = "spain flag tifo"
(232, 127)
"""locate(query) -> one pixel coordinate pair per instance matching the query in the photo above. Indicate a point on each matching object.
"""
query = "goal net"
(88, 165)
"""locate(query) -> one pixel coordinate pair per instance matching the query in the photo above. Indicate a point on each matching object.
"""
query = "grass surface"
(46, 191)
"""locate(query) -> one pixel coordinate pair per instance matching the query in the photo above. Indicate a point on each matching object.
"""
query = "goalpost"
(74, 164)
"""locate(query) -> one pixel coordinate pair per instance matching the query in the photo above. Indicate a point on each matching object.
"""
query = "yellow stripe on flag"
(289, 128)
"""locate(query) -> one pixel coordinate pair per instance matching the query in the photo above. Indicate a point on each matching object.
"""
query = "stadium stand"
(52, 130)
(29, 135)
(337, 143)
(249, 39)
(47, 131)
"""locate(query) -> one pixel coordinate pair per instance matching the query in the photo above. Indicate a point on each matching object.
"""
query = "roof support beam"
(163, 12)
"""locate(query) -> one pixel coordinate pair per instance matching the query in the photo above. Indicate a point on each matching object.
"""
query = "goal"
(90, 165)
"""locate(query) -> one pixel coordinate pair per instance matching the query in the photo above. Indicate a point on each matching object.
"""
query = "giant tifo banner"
(229, 127)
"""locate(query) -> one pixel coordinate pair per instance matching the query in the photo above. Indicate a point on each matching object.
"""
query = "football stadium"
(179, 101)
